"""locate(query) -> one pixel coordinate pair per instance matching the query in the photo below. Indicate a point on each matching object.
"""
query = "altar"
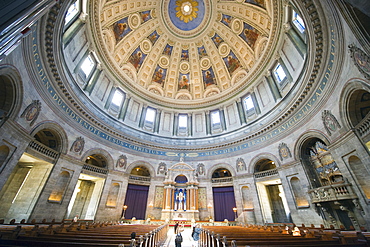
(180, 194)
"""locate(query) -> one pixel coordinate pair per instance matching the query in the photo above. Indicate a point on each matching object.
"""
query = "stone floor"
(186, 236)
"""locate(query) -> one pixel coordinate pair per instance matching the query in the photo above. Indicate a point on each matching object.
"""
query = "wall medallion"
(331, 124)
(32, 111)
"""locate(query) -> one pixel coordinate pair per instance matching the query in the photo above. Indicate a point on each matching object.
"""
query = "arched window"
(72, 12)
(140, 171)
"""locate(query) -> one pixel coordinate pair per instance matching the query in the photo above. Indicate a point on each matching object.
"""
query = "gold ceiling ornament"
(186, 10)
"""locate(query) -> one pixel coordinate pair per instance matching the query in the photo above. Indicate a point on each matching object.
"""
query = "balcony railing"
(44, 150)
(363, 128)
(139, 178)
(95, 169)
(222, 180)
(267, 173)
(332, 192)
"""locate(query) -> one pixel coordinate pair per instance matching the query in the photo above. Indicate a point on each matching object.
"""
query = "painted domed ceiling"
(191, 53)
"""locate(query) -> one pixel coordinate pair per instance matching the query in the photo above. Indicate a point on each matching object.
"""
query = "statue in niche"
(240, 165)
(78, 145)
(180, 199)
(162, 168)
(32, 111)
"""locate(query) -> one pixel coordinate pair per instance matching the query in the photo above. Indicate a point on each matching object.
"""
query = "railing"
(139, 178)
(222, 180)
(332, 192)
(95, 169)
(363, 128)
(154, 238)
(266, 173)
(42, 149)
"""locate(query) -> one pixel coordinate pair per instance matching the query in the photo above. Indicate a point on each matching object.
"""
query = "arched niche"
(361, 174)
(221, 173)
(140, 170)
(99, 158)
(264, 165)
(354, 102)
(10, 92)
(358, 106)
(51, 135)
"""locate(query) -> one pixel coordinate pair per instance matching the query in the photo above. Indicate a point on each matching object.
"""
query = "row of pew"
(287, 236)
(102, 234)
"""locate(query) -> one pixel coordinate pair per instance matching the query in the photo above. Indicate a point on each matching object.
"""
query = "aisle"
(186, 236)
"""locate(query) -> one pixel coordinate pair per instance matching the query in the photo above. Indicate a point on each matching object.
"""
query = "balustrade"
(266, 173)
(42, 149)
(332, 192)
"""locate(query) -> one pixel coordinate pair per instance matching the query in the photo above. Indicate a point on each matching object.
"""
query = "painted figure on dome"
(120, 29)
(184, 81)
(137, 58)
(159, 75)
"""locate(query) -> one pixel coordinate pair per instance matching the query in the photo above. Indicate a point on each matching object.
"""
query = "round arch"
(104, 156)
(141, 163)
(48, 128)
(11, 91)
(347, 97)
(218, 166)
(254, 161)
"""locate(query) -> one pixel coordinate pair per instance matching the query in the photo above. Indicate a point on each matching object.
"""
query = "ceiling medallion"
(186, 10)
(186, 18)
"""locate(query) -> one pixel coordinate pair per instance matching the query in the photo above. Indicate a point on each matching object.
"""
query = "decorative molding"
(330, 122)
(32, 111)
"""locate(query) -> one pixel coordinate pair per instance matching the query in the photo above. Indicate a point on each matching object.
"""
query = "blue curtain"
(136, 201)
(224, 202)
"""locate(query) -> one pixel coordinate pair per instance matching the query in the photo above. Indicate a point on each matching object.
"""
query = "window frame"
(68, 23)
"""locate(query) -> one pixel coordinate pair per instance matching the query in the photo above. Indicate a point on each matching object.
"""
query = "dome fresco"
(191, 53)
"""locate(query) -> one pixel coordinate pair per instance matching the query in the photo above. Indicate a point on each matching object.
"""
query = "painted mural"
(159, 75)
(167, 50)
(208, 77)
(260, 3)
(121, 29)
(145, 16)
(202, 52)
(185, 55)
(232, 62)
(137, 58)
(250, 35)
(184, 81)
(226, 19)
(217, 40)
(153, 37)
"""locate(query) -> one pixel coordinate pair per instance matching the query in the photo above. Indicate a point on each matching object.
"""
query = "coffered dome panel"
(194, 51)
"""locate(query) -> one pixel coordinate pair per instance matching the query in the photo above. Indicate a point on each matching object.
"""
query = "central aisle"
(186, 236)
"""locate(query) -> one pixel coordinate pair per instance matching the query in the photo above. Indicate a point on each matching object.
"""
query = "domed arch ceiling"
(191, 53)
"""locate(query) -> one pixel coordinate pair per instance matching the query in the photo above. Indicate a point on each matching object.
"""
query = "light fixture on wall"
(235, 209)
(124, 211)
